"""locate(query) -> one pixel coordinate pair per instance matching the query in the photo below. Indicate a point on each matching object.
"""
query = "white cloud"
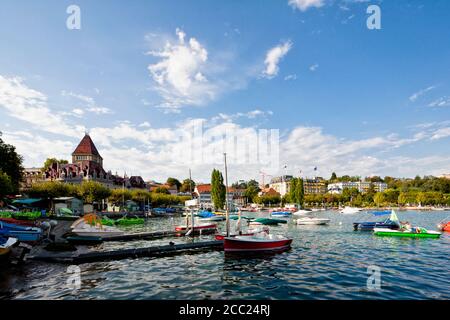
(418, 94)
(304, 5)
(90, 104)
(181, 74)
(31, 106)
(441, 102)
(273, 58)
(290, 77)
(249, 115)
(314, 67)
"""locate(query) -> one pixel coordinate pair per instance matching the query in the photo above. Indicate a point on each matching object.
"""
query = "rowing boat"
(256, 243)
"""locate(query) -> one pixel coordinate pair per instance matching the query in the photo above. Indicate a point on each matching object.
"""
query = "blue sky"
(344, 98)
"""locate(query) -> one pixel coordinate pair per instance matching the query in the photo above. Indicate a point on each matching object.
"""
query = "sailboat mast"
(226, 197)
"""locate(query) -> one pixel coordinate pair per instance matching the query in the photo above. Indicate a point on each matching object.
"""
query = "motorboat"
(302, 212)
(266, 221)
(281, 214)
(257, 243)
(91, 225)
(312, 221)
(350, 210)
(390, 223)
(209, 216)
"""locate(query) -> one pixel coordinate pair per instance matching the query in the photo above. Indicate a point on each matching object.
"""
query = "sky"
(141, 76)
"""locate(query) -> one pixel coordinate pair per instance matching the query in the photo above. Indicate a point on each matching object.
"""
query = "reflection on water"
(325, 262)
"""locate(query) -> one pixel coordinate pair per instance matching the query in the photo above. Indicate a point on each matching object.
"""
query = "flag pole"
(226, 196)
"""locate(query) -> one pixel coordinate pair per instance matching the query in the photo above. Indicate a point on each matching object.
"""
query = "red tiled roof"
(204, 188)
(270, 192)
(86, 146)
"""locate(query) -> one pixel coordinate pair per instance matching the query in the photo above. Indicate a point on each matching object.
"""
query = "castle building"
(87, 165)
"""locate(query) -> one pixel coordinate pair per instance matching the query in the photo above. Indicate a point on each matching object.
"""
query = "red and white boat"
(248, 233)
(256, 243)
(200, 227)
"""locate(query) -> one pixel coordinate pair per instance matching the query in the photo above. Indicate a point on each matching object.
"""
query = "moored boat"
(444, 226)
(281, 214)
(312, 221)
(209, 216)
(22, 233)
(409, 233)
(302, 212)
(90, 225)
(256, 243)
(200, 227)
(5, 247)
(390, 223)
(350, 210)
(266, 221)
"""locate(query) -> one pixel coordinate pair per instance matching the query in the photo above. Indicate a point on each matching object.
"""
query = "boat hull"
(369, 226)
(103, 235)
(198, 228)
(235, 244)
(316, 222)
(404, 234)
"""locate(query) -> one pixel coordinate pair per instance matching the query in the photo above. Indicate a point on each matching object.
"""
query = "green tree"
(119, 196)
(333, 176)
(187, 185)
(162, 190)
(174, 182)
(379, 199)
(6, 186)
(421, 198)
(218, 190)
(251, 192)
(11, 163)
(93, 191)
(50, 161)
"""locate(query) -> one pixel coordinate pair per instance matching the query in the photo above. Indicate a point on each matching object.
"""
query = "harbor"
(325, 262)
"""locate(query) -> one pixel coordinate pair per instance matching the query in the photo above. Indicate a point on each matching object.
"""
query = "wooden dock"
(154, 251)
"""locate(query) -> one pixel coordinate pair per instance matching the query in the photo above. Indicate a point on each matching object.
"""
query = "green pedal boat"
(413, 233)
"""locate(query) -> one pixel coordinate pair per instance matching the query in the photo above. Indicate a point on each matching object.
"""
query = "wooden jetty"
(154, 251)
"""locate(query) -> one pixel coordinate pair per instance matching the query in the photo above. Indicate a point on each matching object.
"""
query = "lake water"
(325, 262)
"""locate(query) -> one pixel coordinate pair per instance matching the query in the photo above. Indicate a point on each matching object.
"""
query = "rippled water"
(325, 262)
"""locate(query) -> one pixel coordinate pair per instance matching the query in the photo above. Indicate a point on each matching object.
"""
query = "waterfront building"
(268, 192)
(87, 165)
(314, 186)
(361, 186)
(282, 185)
(31, 176)
(203, 193)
